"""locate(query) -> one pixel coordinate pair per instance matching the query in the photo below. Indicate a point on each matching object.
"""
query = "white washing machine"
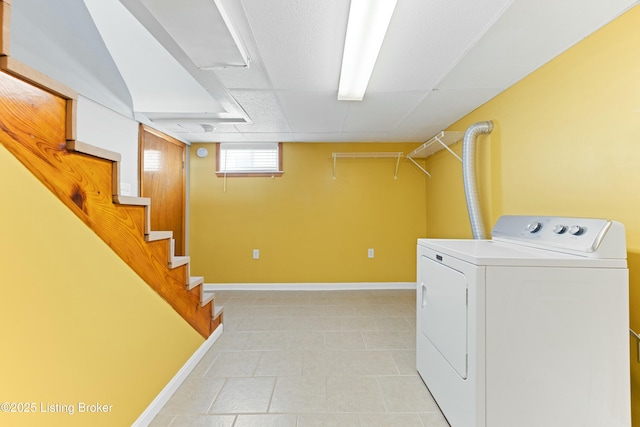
(529, 328)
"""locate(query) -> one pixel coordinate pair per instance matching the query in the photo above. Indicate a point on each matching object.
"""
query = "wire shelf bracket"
(441, 141)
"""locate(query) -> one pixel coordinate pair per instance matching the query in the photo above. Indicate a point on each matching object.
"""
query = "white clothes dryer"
(529, 328)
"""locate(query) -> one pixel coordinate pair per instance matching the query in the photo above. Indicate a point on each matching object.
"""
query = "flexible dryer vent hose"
(470, 178)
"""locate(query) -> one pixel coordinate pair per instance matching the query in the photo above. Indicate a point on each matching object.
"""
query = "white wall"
(104, 128)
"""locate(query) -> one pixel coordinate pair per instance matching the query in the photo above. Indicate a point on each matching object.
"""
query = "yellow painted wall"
(566, 142)
(308, 226)
(78, 325)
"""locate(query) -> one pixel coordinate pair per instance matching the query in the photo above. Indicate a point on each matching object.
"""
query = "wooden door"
(162, 178)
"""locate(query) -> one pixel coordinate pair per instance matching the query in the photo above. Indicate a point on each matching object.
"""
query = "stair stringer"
(173, 261)
(35, 128)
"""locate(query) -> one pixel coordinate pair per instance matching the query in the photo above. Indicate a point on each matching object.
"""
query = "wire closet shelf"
(368, 155)
(441, 141)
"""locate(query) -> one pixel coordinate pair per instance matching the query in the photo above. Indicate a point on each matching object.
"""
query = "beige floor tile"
(231, 323)
(235, 301)
(299, 394)
(409, 338)
(383, 340)
(361, 323)
(259, 311)
(372, 362)
(390, 420)
(434, 419)
(321, 323)
(234, 364)
(406, 394)
(337, 310)
(194, 396)
(347, 340)
(205, 363)
(203, 421)
(326, 363)
(328, 420)
(317, 358)
(304, 340)
(404, 310)
(368, 310)
(375, 299)
(392, 324)
(230, 341)
(280, 363)
(266, 341)
(243, 395)
(405, 361)
(326, 299)
(283, 300)
(354, 394)
(356, 362)
(268, 324)
(267, 420)
(302, 311)
(282, 294)
(162, 420)
(411, 321)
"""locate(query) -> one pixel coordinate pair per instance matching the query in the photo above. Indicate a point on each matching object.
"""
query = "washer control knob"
(534, 227)
(559, 229)
(576, 230)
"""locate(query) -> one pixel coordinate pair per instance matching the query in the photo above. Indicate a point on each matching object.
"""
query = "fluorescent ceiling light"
(368, 23)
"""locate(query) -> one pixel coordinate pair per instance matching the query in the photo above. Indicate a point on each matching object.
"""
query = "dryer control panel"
(593, 237)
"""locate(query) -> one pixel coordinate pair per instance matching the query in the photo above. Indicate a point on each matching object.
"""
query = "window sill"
(248, 174)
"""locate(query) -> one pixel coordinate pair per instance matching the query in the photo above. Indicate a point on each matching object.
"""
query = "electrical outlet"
(370, 253)
(256, 253)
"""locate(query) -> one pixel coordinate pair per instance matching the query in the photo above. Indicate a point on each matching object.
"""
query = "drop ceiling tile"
(215, 137)
(313, 111)
(264, 110)
(300, 42)
(364, 136)
(268, 136)
(317, 137)
(380, 111)
(526, 36)
(426, 38)
(439, 110)
(225, 128)
(253, 77)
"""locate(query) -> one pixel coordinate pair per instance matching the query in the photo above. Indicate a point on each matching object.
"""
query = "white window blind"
(255, 157)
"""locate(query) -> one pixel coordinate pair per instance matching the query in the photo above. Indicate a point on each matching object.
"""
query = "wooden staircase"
(37, 125)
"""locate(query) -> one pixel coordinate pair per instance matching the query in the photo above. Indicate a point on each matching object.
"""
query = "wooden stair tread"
(153, 236)
(206, 297)
(178, 261)
(195, 281)
(92, 150)
(217, 311)
(131, 200)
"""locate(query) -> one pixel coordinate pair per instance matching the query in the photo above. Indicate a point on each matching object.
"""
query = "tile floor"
(308, 358)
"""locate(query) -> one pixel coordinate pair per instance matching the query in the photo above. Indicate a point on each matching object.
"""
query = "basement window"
(249, 159)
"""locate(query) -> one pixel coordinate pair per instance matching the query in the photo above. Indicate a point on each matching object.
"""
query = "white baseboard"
(161, 399)
(307, 286)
